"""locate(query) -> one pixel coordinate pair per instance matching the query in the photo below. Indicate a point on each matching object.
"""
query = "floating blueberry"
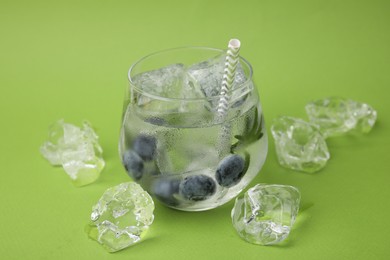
(197, 187)
(165, 188)
(134, 164)
(230, 170)
(145, 146)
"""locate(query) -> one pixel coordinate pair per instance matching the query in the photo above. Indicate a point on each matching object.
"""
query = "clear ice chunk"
(121, 217)
(336, 116)
(207, 76)
(201, 81)
(76, 149)
(164, 82)
(167, 82)
(265, 214)
(299, 145)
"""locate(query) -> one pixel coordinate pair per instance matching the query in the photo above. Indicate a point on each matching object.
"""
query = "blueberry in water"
(197, 187)
(165, 188)
(145, 147)
(230, 170)
(134, 164)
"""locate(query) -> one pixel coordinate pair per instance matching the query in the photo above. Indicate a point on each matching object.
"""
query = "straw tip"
(234, 43)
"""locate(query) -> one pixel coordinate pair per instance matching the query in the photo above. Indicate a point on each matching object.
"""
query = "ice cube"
(365, 116)
(76, 149)
(336, 116)
(265, 214)
(160, 91)
(164, 82)
(121, 217)
(55, 139)
(299, 145)
(207, 76)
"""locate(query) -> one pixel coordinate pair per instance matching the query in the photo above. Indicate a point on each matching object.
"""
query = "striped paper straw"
(228, 77)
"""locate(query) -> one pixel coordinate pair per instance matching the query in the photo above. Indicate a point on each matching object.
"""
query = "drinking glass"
(174, 143)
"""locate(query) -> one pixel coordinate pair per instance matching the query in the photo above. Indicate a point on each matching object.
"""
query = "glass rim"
(154, 96)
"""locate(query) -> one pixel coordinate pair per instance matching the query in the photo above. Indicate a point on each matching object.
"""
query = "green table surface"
(69, 59)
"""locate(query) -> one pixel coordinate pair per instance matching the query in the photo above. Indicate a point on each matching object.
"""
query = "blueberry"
(197, 187)
(134, 164)
(145, 147)
(230, 170)
(164, 189)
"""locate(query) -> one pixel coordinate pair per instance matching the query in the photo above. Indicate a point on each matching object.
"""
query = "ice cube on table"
(299, 145)
(121, 217)
(336, 115)
(265, 214)
(76, 149)
(51, 149)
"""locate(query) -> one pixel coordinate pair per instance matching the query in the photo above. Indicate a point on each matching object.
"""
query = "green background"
(69, 59)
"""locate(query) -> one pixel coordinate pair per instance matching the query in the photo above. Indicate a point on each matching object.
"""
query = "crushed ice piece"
(336, 116)
(265, 214)
(121, 217)
(299, 145)
(76, 149)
